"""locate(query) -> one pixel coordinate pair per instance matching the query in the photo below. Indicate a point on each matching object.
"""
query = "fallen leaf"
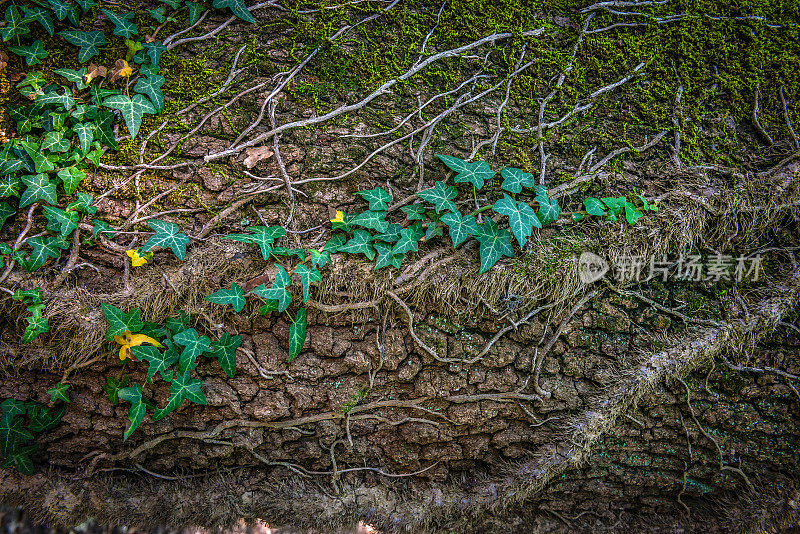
(3, 60)
(121, 70)
(128, 340)
(94, 71)
(254, 155)
(136, 259)
(339, 216)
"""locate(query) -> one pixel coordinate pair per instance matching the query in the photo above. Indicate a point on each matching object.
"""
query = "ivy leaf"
(16, 25)
(440, 196)
(39, 187)
(414, 212)
(233, 296)
(85, 135)
(335, 243)
(25, 117)
(360, 244)
(86, 5)
(120, 322)
(521, 217)
(318, 259)
(61, 221)
(133, 109)
(194, 346)
(55, 142)
(195, 11)
(262, 236)
(475, 173)
(87, 41)
(43, 418)
(41, 162)
(616, 205)
(12, 433)
(159, 14)
(103, 129)
(297, 334)
(238, 8)
(391, 235)
(42, 16)
(632, 214)
(159, 362)
(374, 220)
(103, 227)
(59, 392)
(306, 277)
(515, 179)
(43, 248)
(495, 244)
(174, 4)
(378, 198)
(133, 394)
(224, 351)
(386, 258)
(168, 235)
(460, 227)
(409, 241)
(283, 251)
(282, 278)
(594, 206)
(549, 211)
(122, 25)
(6, 211)
(278, 290)
(183, 387)
(37, 324)
(154, 51)
(10, 186)
(64, 9)
(33, 53)
(432, 229)
(71, 178)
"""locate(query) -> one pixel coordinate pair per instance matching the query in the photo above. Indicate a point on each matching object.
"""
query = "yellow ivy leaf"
(128, 340)
(339, 217)
(136, 259)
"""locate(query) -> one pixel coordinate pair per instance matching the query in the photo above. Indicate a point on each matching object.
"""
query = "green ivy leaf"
(283, 251)
(282, 278)
(378, 198)
(103, 227)
(632, 214)
(71, 178)
(233, 296)
(182, 387)
(521, 217)
(85, 135)
(440, 196)
(515, 179)
(196, 10)
(318, 258)
(10, 185)
(64, 9)
(133, 109)
(159, 362)
(25, 117)
(615, 205)
(168, 235)
(594, 206)
(332, 245)
(263, 236)
(42, 163)
(460, 227)
(103, 129)
(87, 41)
(33, 53)
(55, 142)
(154, 51)
(374, 220)
(59, 392)
(39, 187)
(122, 24)
(432, 229)
(391, 235)
(549, 211)
(43, 419)
(42, 16)
(495, 244)
(360, 244)
(159, 14)
(37, 324)
(194, 346)
(277, 293)
(33, 296)
(86, 5)
(43, 248)
(133, 394)
(238, 8)
(224, 351)
(63, 222)
(151, 86)
(113, 386)
(120, 322)
(174, 4)
(475, 173)
(297, 334)
(414, 212)
(7, 211)
(409, 241)
(16, 25)
(386, 258)
(306, 277)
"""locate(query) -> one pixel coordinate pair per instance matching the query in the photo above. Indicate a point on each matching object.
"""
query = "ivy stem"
(480, 210)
